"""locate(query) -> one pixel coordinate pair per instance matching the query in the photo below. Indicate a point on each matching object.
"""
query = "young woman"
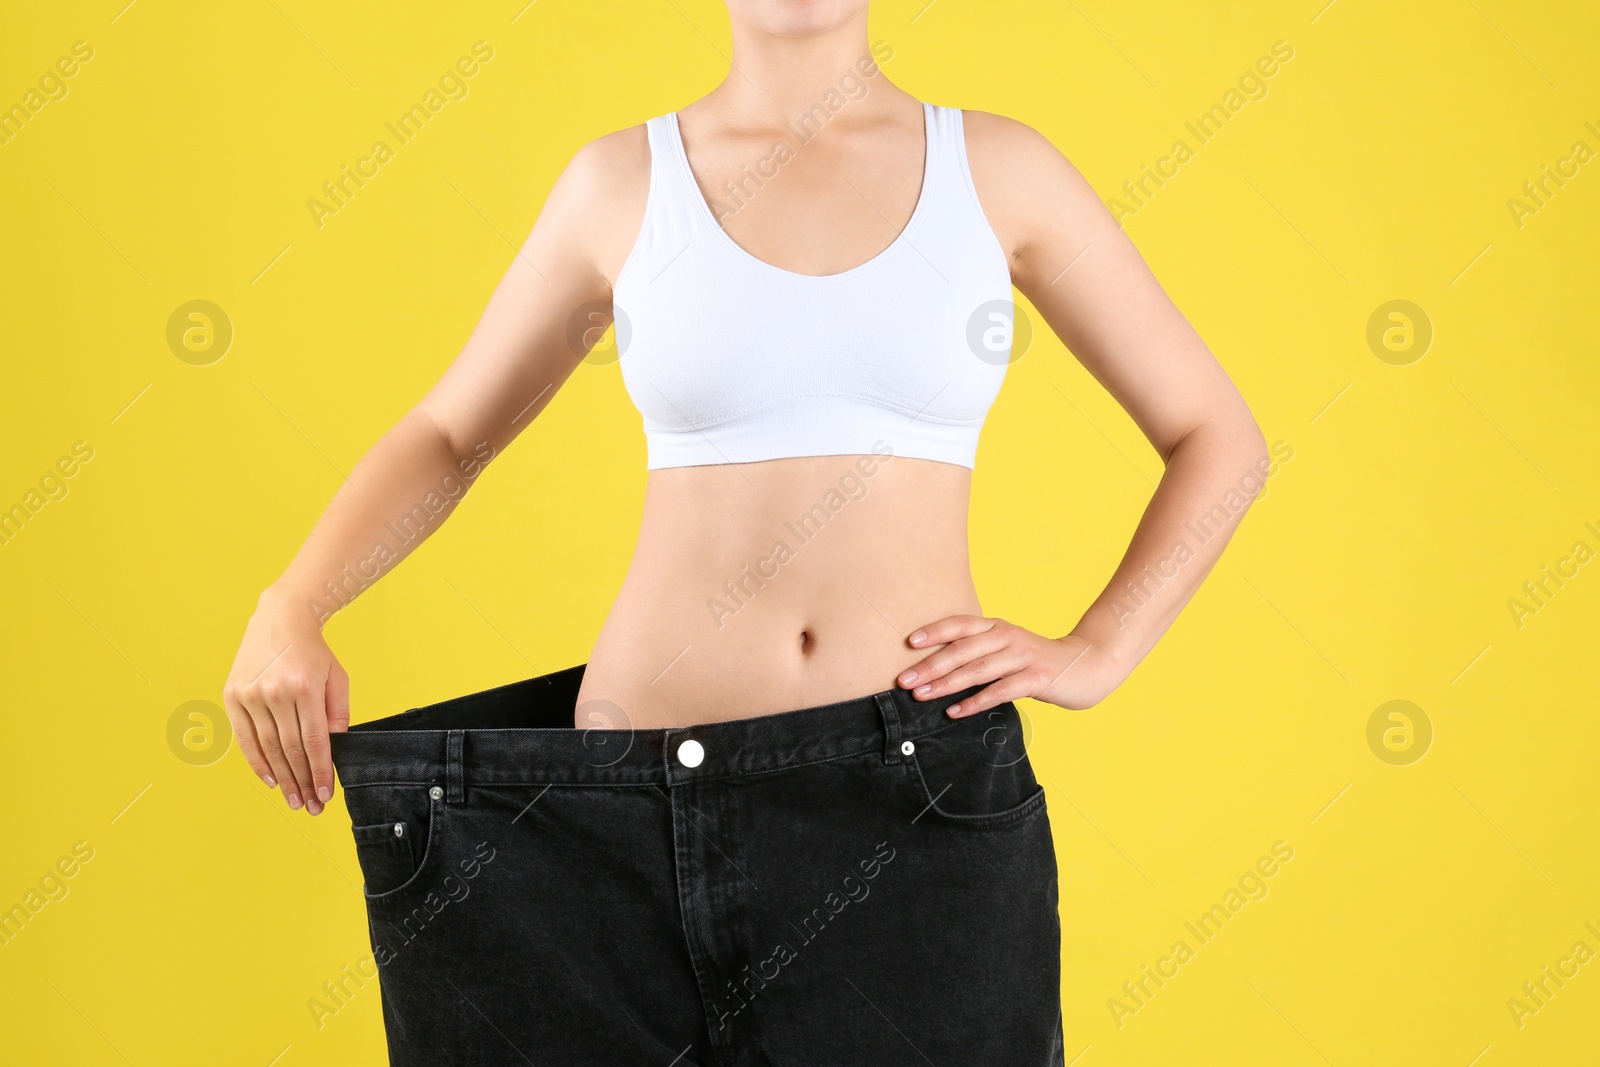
(782, 815)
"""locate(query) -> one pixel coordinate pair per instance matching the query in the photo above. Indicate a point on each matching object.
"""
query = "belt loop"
(455, 770)
(891, 725)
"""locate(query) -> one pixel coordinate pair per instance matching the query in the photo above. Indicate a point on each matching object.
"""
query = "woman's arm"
(1083, 274)
(286, 690)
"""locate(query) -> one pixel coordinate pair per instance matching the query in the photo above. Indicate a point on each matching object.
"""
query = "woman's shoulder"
(1001, 143)
(595, 203)
(1023, 181)
(611, 165)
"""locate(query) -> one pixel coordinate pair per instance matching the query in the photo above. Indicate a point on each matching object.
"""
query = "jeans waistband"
(524, 733)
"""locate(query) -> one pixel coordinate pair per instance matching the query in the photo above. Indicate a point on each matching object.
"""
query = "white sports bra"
(731, 359)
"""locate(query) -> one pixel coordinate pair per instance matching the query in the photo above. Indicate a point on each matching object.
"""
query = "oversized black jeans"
(866, 882)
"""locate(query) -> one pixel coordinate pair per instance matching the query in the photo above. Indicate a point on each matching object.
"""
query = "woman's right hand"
(285, 694)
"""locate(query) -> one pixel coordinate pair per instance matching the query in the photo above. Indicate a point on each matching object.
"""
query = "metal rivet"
(691, 753)
(436, 792)
(399, 829)
(906, 748)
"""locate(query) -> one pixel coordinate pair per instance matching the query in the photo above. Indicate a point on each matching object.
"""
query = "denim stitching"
(384, 899)
(1015, 813)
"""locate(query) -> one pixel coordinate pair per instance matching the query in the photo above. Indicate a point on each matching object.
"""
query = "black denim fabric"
(864, 882)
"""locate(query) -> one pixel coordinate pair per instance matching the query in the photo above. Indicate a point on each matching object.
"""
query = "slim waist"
(524, 734)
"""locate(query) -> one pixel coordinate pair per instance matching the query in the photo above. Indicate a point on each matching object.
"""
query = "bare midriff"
(766, 587)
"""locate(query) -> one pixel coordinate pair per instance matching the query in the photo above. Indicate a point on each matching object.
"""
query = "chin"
(794, 18)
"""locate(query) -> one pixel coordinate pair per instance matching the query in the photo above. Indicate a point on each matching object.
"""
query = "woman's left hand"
(1067, 672)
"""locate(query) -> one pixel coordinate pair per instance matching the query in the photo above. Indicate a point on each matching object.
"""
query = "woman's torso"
(747, 594)
(764, 586)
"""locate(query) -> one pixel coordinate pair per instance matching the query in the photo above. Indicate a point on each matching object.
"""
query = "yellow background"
(1378, 566)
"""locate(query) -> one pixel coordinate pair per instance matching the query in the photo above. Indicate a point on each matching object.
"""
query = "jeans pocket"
(393, 827)
(384, 852)
(976, 773)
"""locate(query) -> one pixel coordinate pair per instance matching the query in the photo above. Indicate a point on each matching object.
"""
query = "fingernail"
(908, 677)
(918, 637)
(272, 783)
(294, 801)
(324, 794)
(313, 807)
(954, 711)
(924, 690)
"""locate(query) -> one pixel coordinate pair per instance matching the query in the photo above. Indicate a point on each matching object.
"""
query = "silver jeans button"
(906, 748)
(399, 829)
(436, 792)
(691, 753)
